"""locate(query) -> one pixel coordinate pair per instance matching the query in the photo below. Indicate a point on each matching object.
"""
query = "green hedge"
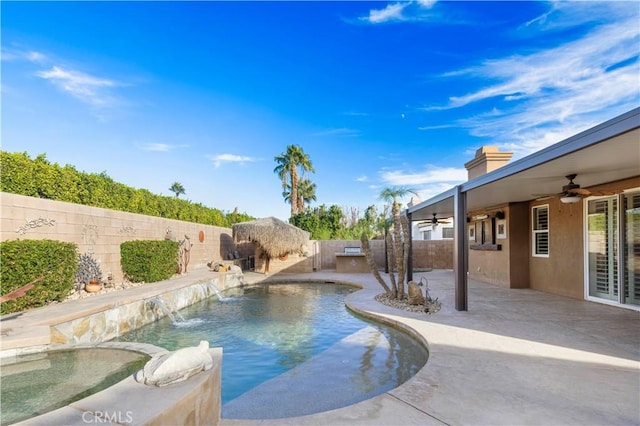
(39, 178)
(23, 261)
(149, 261)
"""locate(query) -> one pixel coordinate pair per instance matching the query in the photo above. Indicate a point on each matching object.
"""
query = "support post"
(410, 243)
(460, 246)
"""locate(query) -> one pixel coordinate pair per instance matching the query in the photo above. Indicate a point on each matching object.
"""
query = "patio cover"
(605, 153)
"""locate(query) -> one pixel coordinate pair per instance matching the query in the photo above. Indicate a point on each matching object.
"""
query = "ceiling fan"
(571, 192)
(435, 221)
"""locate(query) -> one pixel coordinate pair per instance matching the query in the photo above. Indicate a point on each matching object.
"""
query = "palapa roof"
(275, 237)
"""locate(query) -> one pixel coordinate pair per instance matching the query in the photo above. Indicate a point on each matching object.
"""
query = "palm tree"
(306, 193)
(392, 195)
(287, 170)
(177, 188)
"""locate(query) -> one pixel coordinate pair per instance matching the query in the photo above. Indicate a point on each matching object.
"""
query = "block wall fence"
(101, 231)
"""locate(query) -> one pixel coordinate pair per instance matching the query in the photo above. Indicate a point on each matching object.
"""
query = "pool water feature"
(38, 383)
(291, 349)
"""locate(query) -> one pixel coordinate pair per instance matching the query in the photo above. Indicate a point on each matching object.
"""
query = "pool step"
(337, 377)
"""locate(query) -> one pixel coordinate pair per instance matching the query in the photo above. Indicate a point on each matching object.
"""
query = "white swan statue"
(172, 367)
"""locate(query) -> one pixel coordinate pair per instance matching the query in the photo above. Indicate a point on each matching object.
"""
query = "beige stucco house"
(527, 224)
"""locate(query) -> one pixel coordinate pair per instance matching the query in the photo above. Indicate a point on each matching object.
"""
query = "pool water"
(37, 383)
(290, 343)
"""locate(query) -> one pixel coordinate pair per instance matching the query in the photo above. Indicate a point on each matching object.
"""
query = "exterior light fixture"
(571, 199)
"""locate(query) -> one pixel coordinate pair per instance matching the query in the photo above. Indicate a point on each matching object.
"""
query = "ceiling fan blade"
(581, 191)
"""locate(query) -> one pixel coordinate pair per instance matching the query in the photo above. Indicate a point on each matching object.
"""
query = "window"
(540, 224)
(426, 235)
(447, 232)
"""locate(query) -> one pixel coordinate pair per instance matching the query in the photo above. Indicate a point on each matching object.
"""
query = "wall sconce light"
(571, 199)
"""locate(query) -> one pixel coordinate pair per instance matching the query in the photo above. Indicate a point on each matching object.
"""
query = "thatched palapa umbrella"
(275, 237)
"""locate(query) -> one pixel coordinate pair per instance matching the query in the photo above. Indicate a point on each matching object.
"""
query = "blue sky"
(378, 94)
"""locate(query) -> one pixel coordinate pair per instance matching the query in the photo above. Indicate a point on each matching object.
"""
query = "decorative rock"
(166, 368)
(415, 296)
(81, 327)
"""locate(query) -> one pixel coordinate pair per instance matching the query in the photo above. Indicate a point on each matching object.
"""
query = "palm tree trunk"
(294, 189)
(405, 251)
(399, 256)
(392, 276)
(366, 248)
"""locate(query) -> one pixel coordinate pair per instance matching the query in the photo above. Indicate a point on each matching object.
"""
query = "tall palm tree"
(392, 195)
(177, 188)
(287, 169)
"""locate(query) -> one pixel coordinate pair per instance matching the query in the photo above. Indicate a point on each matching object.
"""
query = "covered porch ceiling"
(605, 153)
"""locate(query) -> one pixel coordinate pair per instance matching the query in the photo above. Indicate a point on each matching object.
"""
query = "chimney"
(487, 159)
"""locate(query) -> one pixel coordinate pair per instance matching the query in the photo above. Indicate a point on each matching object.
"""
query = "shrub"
(149, 261)
(88, 270)
(53, 263)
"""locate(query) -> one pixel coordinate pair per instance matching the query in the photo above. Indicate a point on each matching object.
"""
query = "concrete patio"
(516, 357)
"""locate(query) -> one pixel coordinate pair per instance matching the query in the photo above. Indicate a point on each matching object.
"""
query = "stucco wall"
(508, 266)
(101, 231)
(490, 266)
(563, 271)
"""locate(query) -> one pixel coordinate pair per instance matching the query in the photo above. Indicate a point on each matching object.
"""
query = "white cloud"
(160, 147)
(343, 131)
(437, 127)
(543, 97)
(399, 12)
(428, 191)
(219, 159)
(88, 89)
(392, 12)
(362, 179)
(11, 54)
(430, 175)
(427, 3)
(355, 113)
(34, 56)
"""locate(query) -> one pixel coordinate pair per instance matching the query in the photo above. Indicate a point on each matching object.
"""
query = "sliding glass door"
(613, 248)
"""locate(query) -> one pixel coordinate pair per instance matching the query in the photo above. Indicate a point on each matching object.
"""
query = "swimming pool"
(291, 349)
